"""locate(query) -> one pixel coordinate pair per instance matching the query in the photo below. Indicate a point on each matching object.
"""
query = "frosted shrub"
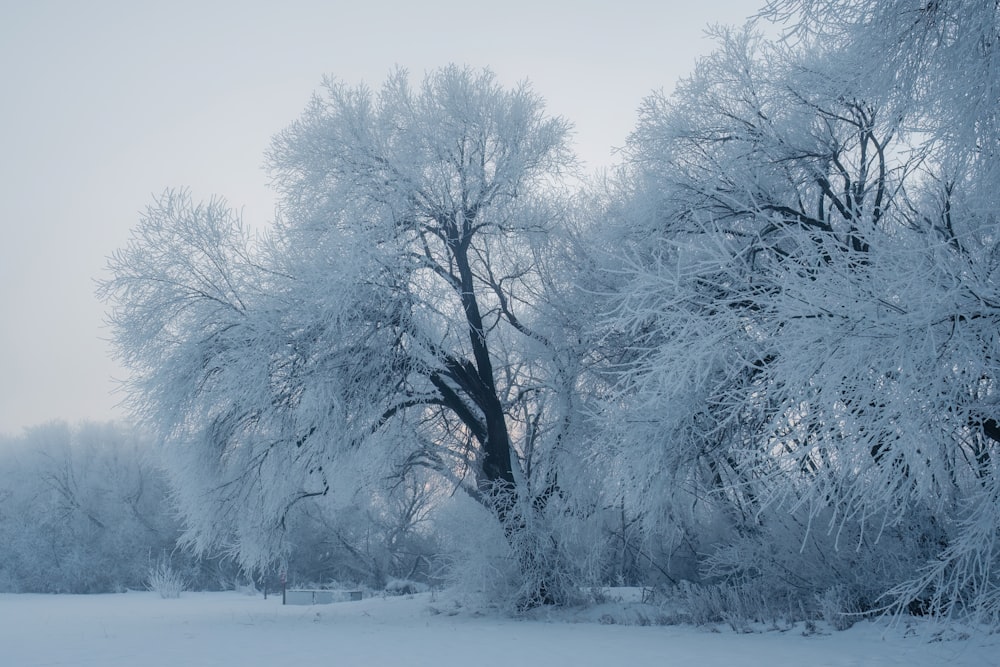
(476, 560)
(536, 561)
(405, 587)
(827, 570)
(246, 588)
(166, 581)
(738, 604)
(838, 608)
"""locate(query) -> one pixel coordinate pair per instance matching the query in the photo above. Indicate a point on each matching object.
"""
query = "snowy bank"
(139, 628)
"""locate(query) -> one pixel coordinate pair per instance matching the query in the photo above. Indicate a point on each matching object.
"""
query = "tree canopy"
(760, 354)
(390, 318)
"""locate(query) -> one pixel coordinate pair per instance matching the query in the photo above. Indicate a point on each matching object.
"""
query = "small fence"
(307, 596)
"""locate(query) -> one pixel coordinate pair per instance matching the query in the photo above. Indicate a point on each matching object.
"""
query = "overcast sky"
(106, 103)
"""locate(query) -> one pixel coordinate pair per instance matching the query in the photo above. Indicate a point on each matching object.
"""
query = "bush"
(163, 579)
(405, 587)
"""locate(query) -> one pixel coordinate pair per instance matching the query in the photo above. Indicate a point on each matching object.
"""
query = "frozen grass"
(140, 628)
(165, 581)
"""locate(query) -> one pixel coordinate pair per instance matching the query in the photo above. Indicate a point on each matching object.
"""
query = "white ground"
(141, 629)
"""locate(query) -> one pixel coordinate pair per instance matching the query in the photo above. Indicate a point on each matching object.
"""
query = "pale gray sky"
(106, 103)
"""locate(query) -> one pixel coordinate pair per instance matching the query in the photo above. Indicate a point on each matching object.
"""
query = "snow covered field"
(141, 629)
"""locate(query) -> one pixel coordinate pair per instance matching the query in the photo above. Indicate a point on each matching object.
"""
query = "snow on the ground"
(141, 629)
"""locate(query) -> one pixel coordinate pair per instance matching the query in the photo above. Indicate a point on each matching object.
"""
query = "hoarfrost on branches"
(813, 320)
(391, 320)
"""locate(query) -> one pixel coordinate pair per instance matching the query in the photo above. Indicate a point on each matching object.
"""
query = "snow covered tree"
(373, 538)
(391, 319)
(812, 323)
(936, 66)
(82, 509)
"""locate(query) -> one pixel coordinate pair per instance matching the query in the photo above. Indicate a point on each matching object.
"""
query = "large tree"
(812, 319)
(390, 319)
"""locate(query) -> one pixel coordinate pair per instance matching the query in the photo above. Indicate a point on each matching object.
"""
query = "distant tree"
(374, 537)
(390, 321)
(83, 509)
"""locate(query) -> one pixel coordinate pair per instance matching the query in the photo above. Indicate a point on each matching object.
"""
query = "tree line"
(761, 352)
(87, 508)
